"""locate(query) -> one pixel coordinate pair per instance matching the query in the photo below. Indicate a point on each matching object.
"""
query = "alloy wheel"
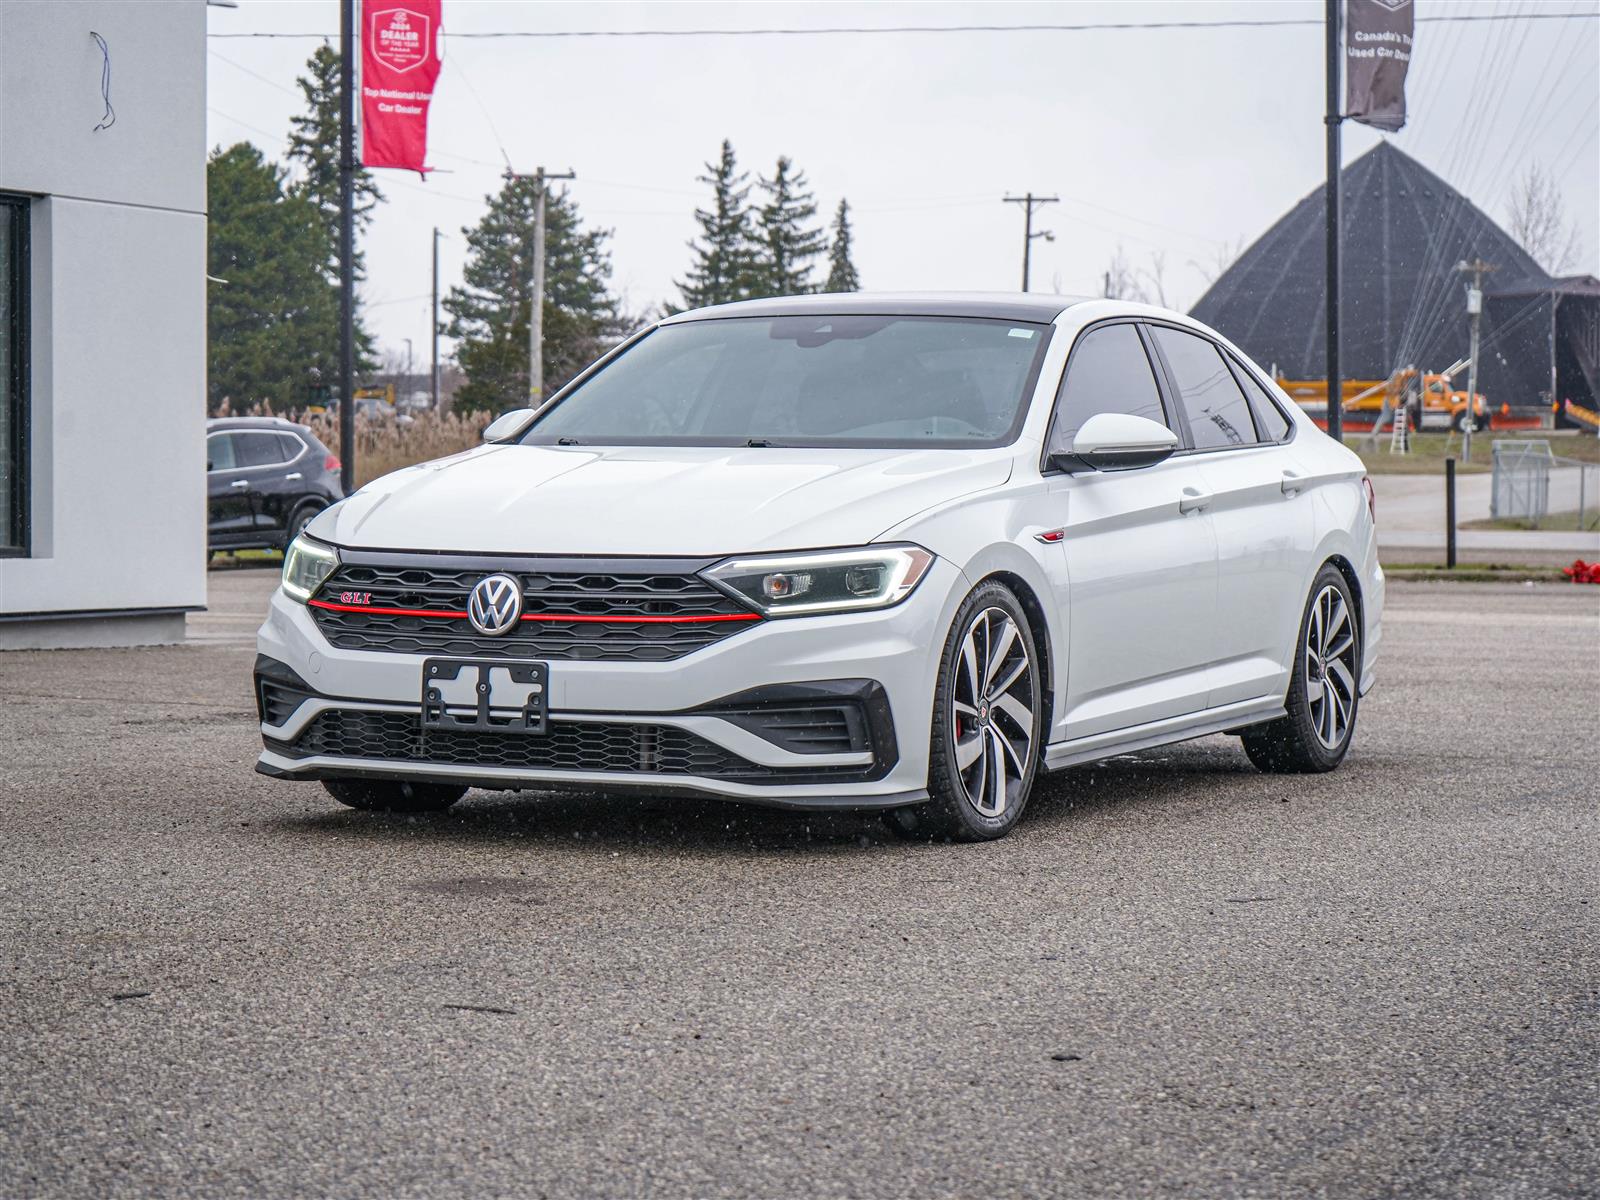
(991, 713)
(1330, 666)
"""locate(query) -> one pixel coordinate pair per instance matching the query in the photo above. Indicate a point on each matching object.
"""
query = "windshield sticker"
(1022, 333)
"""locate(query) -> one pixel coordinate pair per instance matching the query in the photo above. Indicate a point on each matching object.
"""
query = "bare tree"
(1145, 285)
(1122, 279)
(1156, 277)
(1223, 256)
(1539, 222)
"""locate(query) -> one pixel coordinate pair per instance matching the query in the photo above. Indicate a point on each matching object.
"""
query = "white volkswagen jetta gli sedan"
(840, 552)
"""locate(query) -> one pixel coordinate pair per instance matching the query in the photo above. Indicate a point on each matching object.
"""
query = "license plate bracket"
(491, 695)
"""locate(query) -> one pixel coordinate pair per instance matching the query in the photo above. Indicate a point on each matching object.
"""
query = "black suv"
(265, 478)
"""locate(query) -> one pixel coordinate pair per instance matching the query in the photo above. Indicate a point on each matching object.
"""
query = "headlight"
(825, 581)
(305, 565)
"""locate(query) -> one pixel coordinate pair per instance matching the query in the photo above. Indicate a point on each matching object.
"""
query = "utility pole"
(540, 177)
(1475, 313)
(1334, 47)
(1029, 203)
(347, 240)
(434, 388)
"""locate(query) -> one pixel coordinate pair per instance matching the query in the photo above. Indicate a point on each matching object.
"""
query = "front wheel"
(299, 520)
(1314, 734)
(394, 795)
(987, 717)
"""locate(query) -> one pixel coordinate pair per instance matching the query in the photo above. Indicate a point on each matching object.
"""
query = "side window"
(219, 452)
(291, 446)
(1274, 426)
(1218, 413)
(1108, 372)
(258, 449)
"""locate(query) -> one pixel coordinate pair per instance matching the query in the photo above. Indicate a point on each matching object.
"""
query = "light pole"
(434, 331)
(540, 177)
(1333, 47)
(1476, 268)
(347, 245)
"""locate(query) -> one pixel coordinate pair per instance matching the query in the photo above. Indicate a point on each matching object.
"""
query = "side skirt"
(1161, 733)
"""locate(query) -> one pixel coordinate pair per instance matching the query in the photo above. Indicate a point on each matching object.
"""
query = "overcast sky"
(1175, 142)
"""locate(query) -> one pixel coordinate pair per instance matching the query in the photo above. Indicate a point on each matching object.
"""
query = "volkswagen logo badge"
(495, 605)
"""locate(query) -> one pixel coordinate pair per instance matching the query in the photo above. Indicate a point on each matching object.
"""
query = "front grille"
(675, 603)
(567, 746)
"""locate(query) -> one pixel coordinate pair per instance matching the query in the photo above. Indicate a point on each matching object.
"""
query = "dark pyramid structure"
(1404, 230)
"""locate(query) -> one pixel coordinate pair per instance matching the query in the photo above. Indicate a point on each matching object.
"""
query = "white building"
(102, 320)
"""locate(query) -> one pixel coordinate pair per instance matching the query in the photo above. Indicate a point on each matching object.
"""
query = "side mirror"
(1117, 442)
(506, 424)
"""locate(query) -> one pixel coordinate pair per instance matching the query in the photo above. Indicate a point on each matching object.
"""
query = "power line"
(823, 31)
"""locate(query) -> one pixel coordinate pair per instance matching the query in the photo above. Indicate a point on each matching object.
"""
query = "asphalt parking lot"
(1178, 977)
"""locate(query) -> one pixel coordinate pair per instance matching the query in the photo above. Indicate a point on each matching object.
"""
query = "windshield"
(807, 381)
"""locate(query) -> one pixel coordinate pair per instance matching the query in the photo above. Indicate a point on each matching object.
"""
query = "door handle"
(240, 483)
(1193, 500)
(293, 477)
(1293, 483)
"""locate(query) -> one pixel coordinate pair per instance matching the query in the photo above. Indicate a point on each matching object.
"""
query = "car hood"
(693, 502)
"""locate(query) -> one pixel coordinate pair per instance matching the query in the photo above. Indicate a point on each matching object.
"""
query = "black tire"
(299, 519)
(1309, 738)
(1001, 737)
(394, 795)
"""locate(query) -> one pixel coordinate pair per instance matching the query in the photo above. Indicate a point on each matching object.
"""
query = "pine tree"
(269, 325)
(789, 241)
(842, 275)
(314, 153)
(489, 312)
(724, 267)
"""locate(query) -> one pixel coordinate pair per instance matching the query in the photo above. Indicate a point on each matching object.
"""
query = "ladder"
(1400, 441)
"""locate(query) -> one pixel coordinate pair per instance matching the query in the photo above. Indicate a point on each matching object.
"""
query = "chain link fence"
(1535, 485)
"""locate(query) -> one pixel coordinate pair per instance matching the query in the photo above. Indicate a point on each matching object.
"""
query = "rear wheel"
(1314, 734)
(986, 724)
(394, 795)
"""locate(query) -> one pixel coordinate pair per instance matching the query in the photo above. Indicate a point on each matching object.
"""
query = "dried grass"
(385, 445)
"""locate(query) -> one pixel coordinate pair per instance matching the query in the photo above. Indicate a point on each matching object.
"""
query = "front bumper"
(674, 727)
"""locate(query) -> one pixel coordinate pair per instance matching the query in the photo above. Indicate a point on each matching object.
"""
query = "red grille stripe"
(387, 612)
(692, 619)
(445, 615)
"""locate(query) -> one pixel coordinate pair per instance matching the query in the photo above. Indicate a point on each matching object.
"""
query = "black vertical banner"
(1377, 51)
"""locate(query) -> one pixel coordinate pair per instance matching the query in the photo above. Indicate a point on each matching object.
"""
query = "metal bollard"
(1450, 513)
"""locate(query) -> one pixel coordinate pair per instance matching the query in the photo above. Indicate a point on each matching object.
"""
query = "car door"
(1140, 552)
(1259, 507)
(277, 464)
(228, 512)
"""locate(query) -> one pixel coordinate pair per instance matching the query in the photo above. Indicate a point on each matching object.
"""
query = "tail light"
(1372, 498)
(331, 463)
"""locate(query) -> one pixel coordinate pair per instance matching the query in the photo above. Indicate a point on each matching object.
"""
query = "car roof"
(278, 423)
(1002, 306)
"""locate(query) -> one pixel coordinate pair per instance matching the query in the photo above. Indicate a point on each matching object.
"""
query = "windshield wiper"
(568, 441)
(759, 443)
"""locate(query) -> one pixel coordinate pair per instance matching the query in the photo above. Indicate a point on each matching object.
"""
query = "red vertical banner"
(399, 64)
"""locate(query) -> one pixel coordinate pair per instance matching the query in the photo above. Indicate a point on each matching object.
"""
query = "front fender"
(996, 535)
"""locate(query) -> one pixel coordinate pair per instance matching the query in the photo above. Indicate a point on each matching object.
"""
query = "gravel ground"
(1178, 977)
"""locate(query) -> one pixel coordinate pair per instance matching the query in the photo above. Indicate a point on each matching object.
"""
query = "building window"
(13, 375)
